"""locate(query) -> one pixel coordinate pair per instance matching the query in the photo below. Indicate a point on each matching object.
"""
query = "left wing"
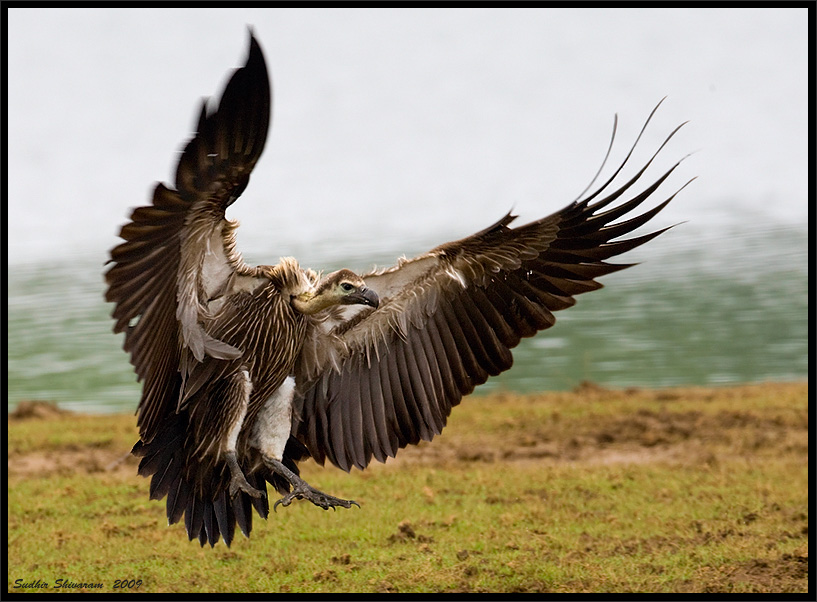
(386, 378)
(179, 251)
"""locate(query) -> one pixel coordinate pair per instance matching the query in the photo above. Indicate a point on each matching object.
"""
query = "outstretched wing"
(448, 320)
(179, 251)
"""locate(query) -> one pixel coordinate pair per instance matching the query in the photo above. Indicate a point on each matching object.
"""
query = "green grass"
(667, 491)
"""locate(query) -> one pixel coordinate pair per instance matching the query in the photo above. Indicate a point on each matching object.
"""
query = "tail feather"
(225, 517)
(199, 494)
(204, 501)
(242, 513)
(206, 507)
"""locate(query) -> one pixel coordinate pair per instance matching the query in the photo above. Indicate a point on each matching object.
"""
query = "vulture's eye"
(346, 286)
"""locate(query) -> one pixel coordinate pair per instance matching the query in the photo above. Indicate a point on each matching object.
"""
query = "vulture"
(248, 370)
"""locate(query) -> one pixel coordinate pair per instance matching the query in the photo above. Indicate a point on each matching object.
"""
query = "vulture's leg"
(302, 490)
(270, 434)
(238, 482)
(237, 395)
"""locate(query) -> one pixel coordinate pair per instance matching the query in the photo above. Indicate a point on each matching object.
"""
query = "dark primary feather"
(217, 162)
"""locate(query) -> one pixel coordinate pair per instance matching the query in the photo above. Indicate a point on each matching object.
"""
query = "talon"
(239, 483)
(320, 499)
(284, 501)
(304, 491)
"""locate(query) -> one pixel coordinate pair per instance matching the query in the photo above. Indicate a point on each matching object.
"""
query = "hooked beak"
(366, 296)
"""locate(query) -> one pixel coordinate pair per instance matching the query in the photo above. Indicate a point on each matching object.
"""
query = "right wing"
(376, 380)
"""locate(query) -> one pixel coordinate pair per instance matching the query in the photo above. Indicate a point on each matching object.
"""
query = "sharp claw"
(302, 490)
(238, 482)
(318, 498)
(237, 485)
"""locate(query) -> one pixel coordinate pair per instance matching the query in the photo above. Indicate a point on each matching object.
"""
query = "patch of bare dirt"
(36, 410)
(85, 460)
(656, 433)
(97, 455)
(786, 574)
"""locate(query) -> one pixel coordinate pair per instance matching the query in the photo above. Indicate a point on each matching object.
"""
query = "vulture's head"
(343, 287)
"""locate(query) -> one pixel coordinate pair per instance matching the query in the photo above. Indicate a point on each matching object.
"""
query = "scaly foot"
(304, 491)
(301, 490)
(238, 482)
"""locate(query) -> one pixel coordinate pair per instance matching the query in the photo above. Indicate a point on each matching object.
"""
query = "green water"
(726, 310)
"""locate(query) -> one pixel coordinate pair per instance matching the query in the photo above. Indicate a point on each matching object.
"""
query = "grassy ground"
(679, 490)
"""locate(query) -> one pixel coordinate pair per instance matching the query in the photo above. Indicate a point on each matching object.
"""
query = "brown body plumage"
(248, 370)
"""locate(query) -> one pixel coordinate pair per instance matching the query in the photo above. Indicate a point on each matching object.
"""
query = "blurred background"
(395, 130)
